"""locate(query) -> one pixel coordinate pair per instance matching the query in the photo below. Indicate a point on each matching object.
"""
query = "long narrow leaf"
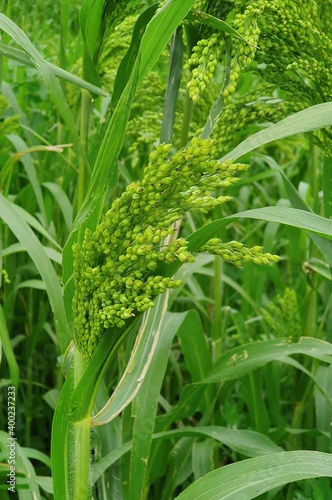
(146, 402)
(21, 57)
(284, 215)
(47, 74)
(313, 118)
(137, 366)
(246, 358)
(8, 349)
(248, 443)
(26, 159)
(30, 242)
(159, 31)
(253, 477)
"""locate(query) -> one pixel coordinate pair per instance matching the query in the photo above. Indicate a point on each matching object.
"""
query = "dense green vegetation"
(165, 206)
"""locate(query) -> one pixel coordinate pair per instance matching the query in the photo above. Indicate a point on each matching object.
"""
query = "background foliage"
(227, 376)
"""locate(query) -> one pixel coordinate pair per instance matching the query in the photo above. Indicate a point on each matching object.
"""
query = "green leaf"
(246, 358)
(202, 457)
(253, 477)
(8, 350)
(196, 352)
(35, 249)
(284, 215)
(17, 247)
(92, 22)
(27, 162)
(54, 87)
(214, 22)
(128, 62)
(61, 197)
(24, 467)
(33, 222)
(249, 443)
(189, 401)
(172, 89)
(159, 31)
(60, 439)
(137, 366)
(312, 118)
(297, 202)
(145, 404)
(21, 57)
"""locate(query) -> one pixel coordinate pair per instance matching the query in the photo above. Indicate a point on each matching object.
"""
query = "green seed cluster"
(210, 49)
(243, 52)
(115, 267)
(237, 253)
(294, 48)
(251, 108)
(147, 112)
(282, 315)
(199, 5)
(290, 44)
(296, 52)
(204, 59)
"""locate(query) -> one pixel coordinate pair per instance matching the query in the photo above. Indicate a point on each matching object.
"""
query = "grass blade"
(246, 358)
(24, 156)
(21, 57)
(146, 402)
(137, 366)
(253, 477)
(8, 350)
(248, 443)
(35, 249)
(284, 215)
(159, 31)
(313, 118)
(61, 197)
(48, 76)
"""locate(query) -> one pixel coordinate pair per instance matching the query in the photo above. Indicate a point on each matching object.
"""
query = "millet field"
(166, 249)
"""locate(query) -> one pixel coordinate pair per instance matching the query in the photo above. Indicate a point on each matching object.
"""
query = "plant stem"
(81, 454)
(216, 333)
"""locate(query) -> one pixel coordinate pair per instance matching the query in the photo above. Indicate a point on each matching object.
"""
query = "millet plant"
(155, 112)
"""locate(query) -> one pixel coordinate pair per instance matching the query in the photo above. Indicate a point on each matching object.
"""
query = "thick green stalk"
(80, 483)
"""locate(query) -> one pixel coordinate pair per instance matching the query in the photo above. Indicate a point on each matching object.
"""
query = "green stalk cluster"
(210, 49)
(251, 108)
(115, 267)
(283, 315)
(243, 51)
(237, 253)
(289, 47)
(296, 52)
(204, 59)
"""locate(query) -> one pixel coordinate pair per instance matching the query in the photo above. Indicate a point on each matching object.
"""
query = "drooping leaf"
(312, 118)
(35, 249)
(253, 477)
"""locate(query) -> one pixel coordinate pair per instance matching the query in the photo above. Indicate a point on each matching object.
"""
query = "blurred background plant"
(231, 69)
